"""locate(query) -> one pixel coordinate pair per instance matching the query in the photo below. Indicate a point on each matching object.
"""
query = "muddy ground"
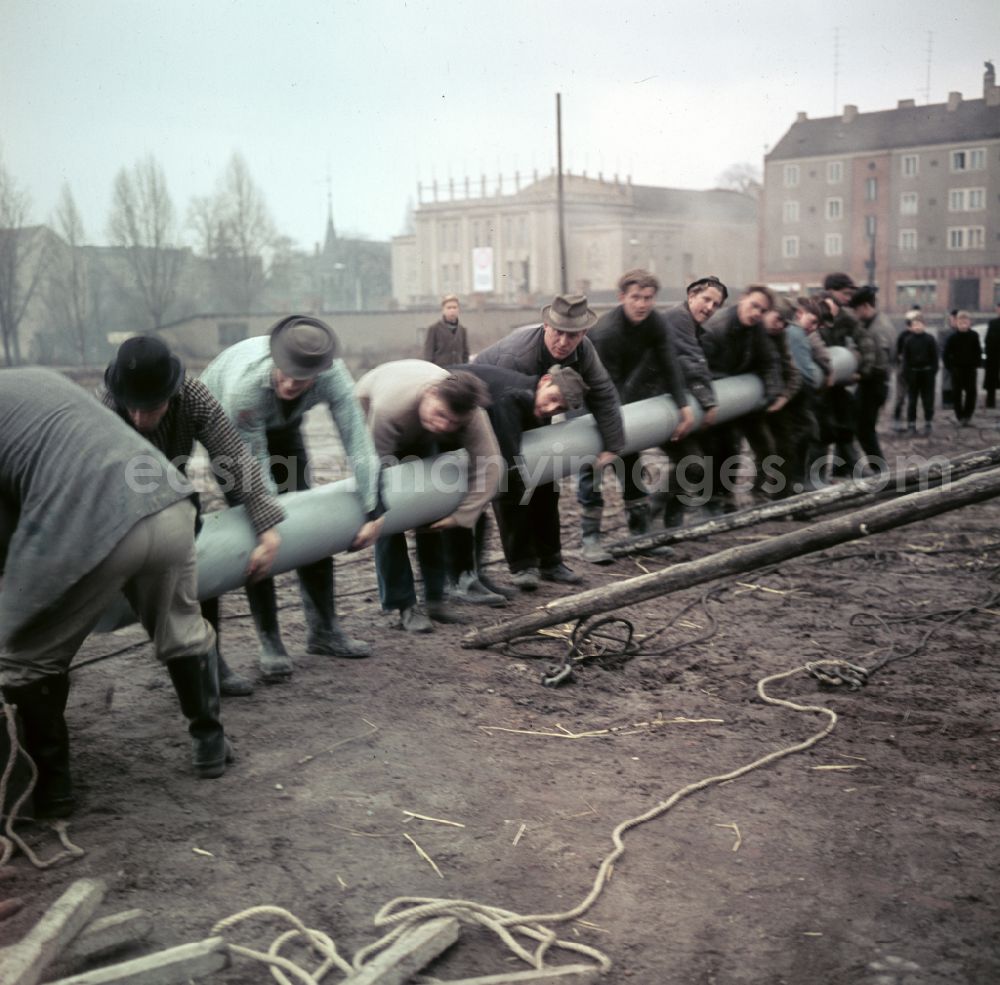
(870, 858)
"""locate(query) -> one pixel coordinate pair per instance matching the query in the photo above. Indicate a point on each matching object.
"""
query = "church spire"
(330, 243)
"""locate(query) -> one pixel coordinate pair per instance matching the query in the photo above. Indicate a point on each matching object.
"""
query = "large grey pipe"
(323, 521)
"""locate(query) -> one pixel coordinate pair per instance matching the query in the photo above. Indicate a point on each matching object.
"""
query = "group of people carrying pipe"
(77, 529)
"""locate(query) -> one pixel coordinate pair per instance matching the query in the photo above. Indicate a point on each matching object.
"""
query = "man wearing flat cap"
(146, 386)
(559, 340)
(265, 385)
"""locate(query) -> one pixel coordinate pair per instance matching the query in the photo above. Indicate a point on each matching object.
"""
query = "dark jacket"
(847, 331)
(919, 353)
(790, 375)
(640, 358)
(962, 351)
(732, 348)
(445, 344)
(684, 334)
(992, 375)
(524, 350)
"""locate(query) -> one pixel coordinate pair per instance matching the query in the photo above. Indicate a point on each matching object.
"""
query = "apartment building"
(908, 199)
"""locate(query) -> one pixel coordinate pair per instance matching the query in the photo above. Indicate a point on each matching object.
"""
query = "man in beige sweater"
(417, 409)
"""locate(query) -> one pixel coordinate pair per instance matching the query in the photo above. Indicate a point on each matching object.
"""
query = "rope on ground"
(407, 912)
(10, 839)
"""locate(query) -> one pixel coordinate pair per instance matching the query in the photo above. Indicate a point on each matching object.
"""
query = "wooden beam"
(108, 934)
(26, 961)
(816, 537)
(931, 472)
(407, 955)
(571, 974)
(170, 967)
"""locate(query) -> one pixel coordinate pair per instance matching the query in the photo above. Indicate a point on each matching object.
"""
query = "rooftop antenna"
(927, 82)
(836, 70)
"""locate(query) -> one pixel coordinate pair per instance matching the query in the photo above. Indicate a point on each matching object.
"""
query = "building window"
(791, 174)
(834, 208)
(790, 211)
(911, 292)
(790, 247)
(833, 245)
(871, 226)
(910, 165)
(231, 332)
(966, 199)
(966, 237)
(834, 172)
(907, 239)
(871, 189)
(968, 160)
(908, 203)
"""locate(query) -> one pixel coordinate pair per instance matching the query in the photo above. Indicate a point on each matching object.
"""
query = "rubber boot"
(275, 664)
(637, 513)
(481, 530)
(325, 634)
(231, 683)
(590, 534)
(196, 681)
(42, 706)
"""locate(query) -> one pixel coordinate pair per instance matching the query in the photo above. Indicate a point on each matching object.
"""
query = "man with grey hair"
(266, 385)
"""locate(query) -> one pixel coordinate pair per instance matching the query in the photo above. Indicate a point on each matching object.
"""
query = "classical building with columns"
(499, 241)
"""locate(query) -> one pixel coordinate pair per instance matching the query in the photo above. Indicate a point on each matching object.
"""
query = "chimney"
(954, 101)
(801, 116)
(991, 91)
(850, 113)
(906, 104)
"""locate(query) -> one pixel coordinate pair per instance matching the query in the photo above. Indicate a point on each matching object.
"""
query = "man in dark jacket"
(87, 510)
(991, 377)
(873, 382)
(638, 352)
(559, 340)
(962, 356)
(734, 341)
(920, 365)
(518, 403)
(447, 342)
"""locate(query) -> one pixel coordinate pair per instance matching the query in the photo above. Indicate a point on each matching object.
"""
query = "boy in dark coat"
(962, 356)
(920, 366)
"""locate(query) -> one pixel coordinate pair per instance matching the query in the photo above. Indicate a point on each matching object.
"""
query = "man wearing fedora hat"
(266, 385)
(146, 386)
(559, 340)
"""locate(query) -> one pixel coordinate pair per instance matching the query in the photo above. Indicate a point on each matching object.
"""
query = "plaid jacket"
(194, 415)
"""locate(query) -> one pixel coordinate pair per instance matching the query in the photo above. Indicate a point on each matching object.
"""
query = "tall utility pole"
(559, 195)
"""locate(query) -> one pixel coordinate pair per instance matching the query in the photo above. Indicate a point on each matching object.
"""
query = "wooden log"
(26, 961)
(407, 955)
(571, 974)
(170, 967)
(110, 933)
(929, 472)
(815, 537)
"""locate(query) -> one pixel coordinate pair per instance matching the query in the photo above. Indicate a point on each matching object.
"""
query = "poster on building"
(482, 269)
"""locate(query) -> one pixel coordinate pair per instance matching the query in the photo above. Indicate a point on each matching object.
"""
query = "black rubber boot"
(196, 681)
(275, 664)
(637, 513)
(326, 637)
(42, 706)
(231, 683)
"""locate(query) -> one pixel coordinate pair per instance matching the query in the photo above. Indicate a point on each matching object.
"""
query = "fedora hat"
(303, 347)
(569, 313)
(144, 374)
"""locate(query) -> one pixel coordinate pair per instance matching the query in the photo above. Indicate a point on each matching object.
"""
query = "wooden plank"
(170, 967)
(406, 956)
(571, 974)
(109, 934)
(26, 961)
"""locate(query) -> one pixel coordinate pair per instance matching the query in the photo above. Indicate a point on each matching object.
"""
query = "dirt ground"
(870, 858)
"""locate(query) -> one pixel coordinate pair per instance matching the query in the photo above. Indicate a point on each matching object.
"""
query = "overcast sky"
(376, 95)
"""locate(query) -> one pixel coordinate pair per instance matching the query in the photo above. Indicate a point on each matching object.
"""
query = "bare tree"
(742, 177)
(70, 296)
(142, 224)
(234, 229)
(24, 256)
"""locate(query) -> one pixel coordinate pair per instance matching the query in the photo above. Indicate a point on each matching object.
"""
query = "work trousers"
(530, 531)
(920, 386)
(154, 564)
(963, 385)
